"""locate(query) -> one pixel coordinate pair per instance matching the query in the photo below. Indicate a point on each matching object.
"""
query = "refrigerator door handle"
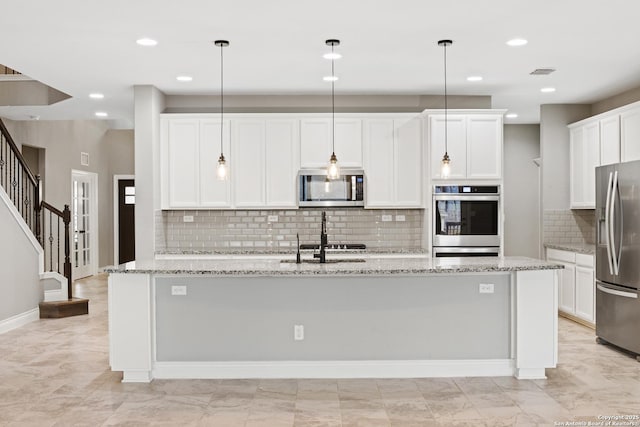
(621, 225)
(616, 292)
(612, 224)
(607, 223)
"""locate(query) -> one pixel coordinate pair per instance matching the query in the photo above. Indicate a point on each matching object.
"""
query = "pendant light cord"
(221, 99)
(333, 103)
(445, 101)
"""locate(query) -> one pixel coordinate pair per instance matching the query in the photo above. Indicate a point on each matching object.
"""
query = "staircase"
(49, 226)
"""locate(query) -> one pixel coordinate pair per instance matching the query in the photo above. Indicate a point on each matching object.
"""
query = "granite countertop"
(580, 248)
(372, 266)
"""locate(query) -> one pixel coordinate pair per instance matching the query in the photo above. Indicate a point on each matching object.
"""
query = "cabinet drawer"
(585, 260)
(559, 255)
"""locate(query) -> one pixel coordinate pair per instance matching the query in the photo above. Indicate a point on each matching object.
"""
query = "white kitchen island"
(385, 317)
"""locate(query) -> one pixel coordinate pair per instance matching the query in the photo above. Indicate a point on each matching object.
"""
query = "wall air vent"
(542, 71)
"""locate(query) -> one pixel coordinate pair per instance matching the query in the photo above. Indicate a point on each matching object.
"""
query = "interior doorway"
(124, 205)
(84, 223)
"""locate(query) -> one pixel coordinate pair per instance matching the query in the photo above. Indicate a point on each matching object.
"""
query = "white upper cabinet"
(282, 162)
(379, 162)
(610, 140)
(316, 142)
(484, 147)
(214, 193)
(408, 162)
(584, 149)
(456, 145)
(474, 145)
(393, 162)
(248, 169)
(266, 163)
(190, 149)
(183, 163)
(630, 135)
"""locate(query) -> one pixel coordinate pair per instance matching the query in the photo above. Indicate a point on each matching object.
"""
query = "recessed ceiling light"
(474, 78)
(96, 95)
(184, 78)
(511, 116)
(548, 89)
(145, 41)
(330, 78)
(101, 114)
(332, 55)
(517, 42)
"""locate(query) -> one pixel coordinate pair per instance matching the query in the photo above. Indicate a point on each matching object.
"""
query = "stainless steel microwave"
(316, 189)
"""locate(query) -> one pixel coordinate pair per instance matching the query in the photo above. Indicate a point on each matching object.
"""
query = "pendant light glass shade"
(445, 167)
(333, 169)
(223, 168)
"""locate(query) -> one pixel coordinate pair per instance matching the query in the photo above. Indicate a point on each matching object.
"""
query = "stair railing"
(49, 225)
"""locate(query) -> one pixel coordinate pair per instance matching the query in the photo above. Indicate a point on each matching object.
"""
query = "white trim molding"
(19, 320)
(330, 369)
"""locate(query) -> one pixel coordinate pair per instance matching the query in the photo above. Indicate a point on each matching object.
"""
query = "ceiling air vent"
(542, 71)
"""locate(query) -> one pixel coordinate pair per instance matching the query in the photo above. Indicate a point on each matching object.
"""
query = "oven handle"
(467, 198)
(468, 250)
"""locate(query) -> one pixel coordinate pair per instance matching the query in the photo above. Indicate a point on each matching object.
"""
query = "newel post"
(66, 218)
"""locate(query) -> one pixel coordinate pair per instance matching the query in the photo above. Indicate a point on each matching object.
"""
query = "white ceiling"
(388, 47)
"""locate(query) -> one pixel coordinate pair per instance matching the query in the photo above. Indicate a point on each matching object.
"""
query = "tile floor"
(56, 373)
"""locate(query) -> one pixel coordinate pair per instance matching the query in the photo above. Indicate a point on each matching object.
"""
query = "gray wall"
(344, 318)
(110, 152)
(20, 285)
(521, 191)
(554, 151)
(616, 101)
(319, 103)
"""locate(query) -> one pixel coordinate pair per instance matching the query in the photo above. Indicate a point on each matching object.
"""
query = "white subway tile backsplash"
(569, 226)
(240, 229)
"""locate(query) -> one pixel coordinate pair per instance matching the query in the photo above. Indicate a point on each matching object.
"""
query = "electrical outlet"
(178, 290)
(187, 218)
(273, 218)
(486, 288)
(400, 218)
(298, 332)
(387, 218)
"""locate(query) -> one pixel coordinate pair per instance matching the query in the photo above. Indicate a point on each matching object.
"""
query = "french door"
(84, 223)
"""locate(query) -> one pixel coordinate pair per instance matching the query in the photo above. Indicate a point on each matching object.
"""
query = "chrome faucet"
(323, 240)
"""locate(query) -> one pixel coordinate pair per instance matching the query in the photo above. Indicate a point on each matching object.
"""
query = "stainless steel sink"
(329, 261)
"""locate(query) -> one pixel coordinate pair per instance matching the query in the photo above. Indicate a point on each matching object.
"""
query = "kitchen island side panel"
(344, 318)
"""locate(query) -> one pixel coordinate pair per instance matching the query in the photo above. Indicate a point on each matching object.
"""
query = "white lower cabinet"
(576, 290)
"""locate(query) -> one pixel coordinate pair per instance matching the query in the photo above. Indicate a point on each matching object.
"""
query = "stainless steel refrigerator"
(618, 255)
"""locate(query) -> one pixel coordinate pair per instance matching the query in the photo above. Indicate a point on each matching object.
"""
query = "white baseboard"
(335, 369)
(19, 320)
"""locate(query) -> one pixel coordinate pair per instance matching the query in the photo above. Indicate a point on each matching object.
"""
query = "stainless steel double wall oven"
(466, 220)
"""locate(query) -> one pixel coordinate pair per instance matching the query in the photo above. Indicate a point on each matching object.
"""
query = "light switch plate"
(273, 218)
(486, 288)
(187, 218)
(399, 218)
(387, 218)
(178, 290)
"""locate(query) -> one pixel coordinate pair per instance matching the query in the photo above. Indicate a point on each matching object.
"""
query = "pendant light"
(333, 169)
(445, 167)
(223, 168)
